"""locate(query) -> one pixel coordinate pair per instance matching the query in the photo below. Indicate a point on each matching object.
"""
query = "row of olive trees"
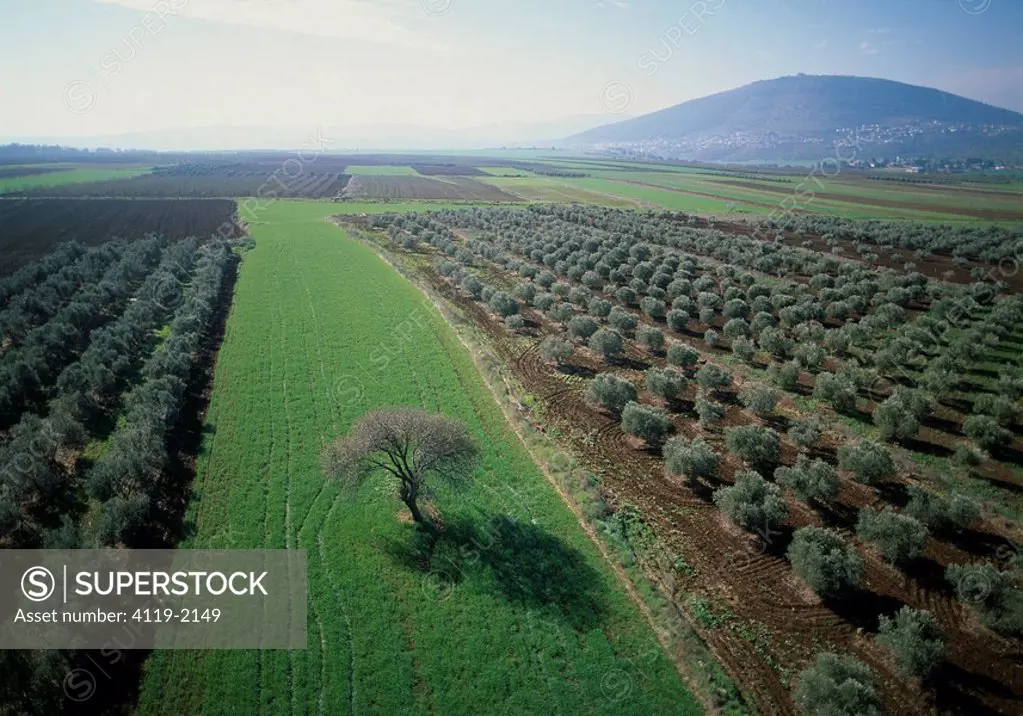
(41, 497)
(828, 564)
(129, 478)
(38, 271)
(39, 302)
(33, 474)
(977, 241)
(797, 311)
(26, 372)
(896, 419)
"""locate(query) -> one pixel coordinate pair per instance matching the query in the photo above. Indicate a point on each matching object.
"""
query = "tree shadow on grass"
(525, 564)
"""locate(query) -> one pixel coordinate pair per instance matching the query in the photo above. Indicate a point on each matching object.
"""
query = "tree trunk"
(416, 514)
(409, 498)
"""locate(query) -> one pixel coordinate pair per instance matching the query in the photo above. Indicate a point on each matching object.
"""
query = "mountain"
(801, 117)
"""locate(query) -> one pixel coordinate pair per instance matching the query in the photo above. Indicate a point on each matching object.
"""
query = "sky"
(76, 68)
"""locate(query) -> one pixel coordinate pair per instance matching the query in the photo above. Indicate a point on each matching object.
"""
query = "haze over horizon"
(113, 67)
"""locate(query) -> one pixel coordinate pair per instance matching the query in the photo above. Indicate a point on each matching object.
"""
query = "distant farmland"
(31, 227)
(372, 170)
(452, 188)
(313, 180)
(23, 179)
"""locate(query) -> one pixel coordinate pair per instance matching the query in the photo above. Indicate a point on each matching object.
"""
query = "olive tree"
(555, 349)
(411, 445)
(650, 338)
(622, 320)
(805, 432)
(759, 398)
(895, 419)
(690, 458)
(599, 307)
(582, 326)
(996, 595)
(682, 355)
(752, 502)
(837, 390)
(745, 349)
(986, 432)
(914, 639)
(900, 538)
(868, 461)
(610, 391)
(677, 320)
(784, 375)
(757, 445)
(713, 378)
(811, 480)
(503, 304)
(646, 422)
(710, 412)
(665, 383)
(824, 560)
(652, 307)
(837, 685)
(607, 343)
(939, 513)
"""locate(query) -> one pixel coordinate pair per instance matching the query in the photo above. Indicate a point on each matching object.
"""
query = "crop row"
(880, 329)
(50, 494)
(129, 479)
(39, 302)
(29, 369)
(37, 271)
(38, 454)
(281, 181)
(519, 270)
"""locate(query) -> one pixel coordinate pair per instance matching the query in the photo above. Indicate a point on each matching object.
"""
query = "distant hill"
(800, 117)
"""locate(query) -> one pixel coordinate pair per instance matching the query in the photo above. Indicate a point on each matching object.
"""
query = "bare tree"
(410, 444)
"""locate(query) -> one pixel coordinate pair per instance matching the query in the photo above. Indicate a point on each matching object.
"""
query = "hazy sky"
(93, 67)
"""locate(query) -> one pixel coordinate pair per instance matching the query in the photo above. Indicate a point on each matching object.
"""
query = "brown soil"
(778, 624)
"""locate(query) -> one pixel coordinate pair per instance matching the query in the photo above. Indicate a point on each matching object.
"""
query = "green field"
(69, 176)
(667, 198)
(506, 171)
(535, 188)
(322, 330)
(380, 170)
